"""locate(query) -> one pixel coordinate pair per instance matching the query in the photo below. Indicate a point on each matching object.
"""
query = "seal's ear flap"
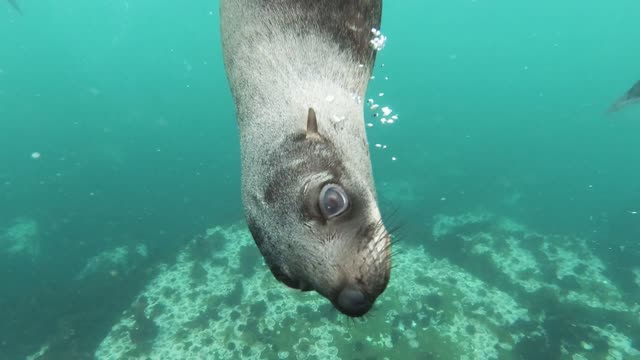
(312, 123)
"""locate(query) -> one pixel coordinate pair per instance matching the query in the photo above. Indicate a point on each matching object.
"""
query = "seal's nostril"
(353, 302)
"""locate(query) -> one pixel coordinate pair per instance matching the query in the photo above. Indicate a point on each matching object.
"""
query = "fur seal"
(631, 97)
(15, 6)
(298, 70)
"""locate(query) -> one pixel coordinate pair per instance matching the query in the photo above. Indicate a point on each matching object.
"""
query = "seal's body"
(298, 70)
(631, 97)
(15, 6)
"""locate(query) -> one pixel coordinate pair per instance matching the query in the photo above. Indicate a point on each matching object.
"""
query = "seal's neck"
(304, 70)
(287, 52)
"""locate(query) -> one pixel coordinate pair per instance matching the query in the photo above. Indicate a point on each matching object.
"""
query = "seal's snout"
(353, 302)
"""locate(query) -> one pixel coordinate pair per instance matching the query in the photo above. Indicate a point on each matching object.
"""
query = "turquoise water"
(501, 110)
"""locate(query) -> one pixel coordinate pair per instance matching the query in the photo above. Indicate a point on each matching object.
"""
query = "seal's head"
(317, 223)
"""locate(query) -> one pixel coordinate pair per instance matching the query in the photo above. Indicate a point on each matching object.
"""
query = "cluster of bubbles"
(383, 113)
(378, 40)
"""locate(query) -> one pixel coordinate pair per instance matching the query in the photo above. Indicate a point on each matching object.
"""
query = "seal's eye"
(333, 201)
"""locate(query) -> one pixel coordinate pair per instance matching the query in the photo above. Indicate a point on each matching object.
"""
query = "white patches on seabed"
(433, 304)
(511, 253)
(35, 155)
(22, 238)
(620, 346)
(469, 301)
(38, 354)
(532, 261)
(142, 250)
(586, 345)
(118, 261)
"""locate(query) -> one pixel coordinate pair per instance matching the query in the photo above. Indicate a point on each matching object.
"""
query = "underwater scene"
(503, 137)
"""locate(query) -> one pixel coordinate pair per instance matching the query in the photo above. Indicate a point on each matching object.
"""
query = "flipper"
(14, 4)
(312, 123)
(631, 97)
